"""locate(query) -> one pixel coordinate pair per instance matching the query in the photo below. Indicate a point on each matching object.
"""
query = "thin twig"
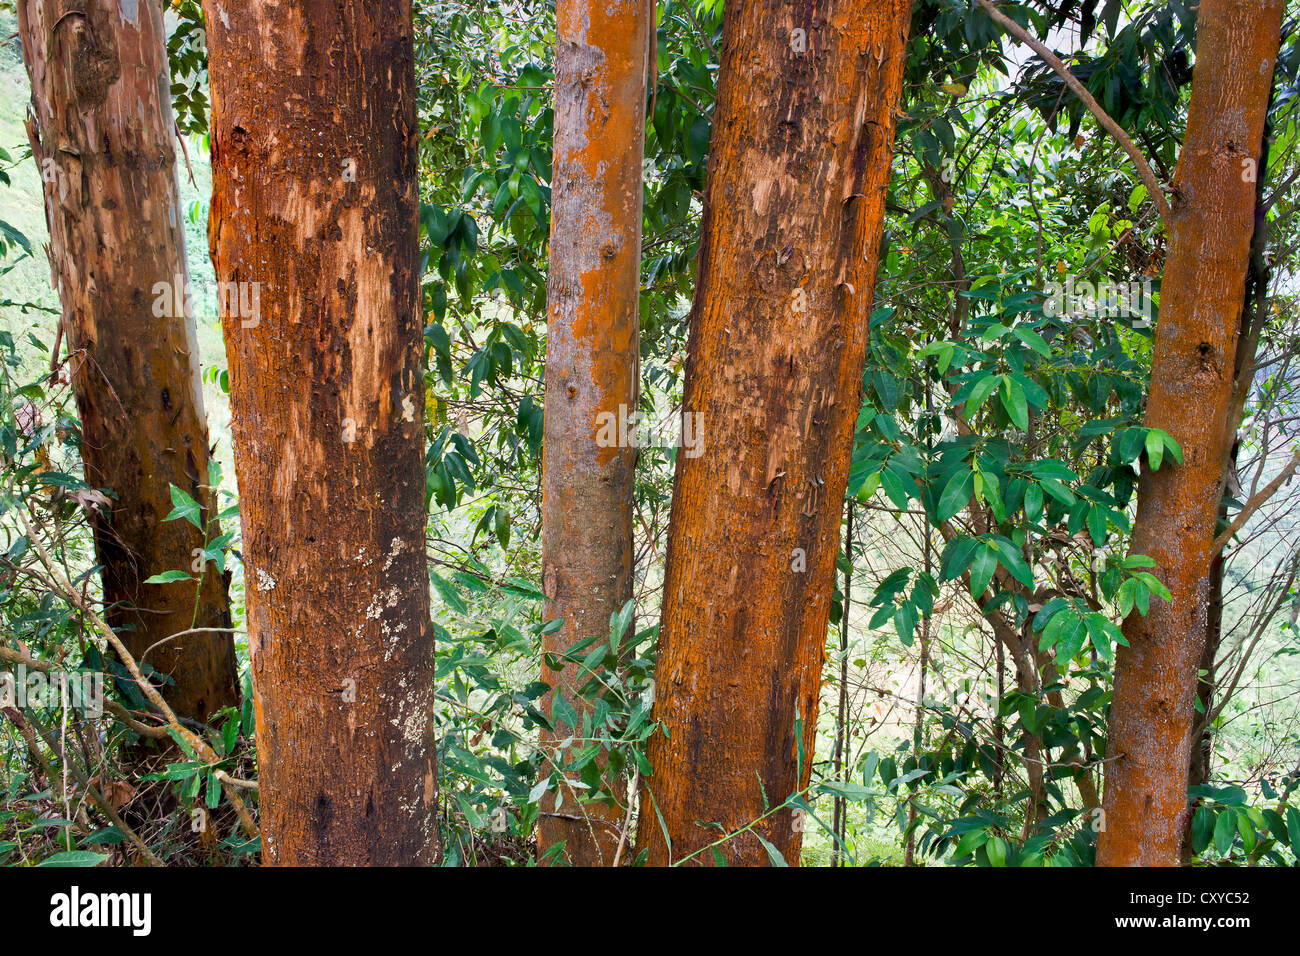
(117, 710)
(197, 743)
(1256, 500)
(29, 736)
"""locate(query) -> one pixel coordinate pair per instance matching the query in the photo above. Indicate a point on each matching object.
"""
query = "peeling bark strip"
(798, 169)
(314, 196)
(1152, 716)
(591, 360)
(101, 135)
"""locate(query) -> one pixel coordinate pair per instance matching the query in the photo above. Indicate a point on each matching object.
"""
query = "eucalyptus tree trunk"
(1153, 714)
(314, 197)
(798, 170)
(101, 131)
(591, 375)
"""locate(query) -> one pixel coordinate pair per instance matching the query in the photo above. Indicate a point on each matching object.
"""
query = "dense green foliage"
(992, 484)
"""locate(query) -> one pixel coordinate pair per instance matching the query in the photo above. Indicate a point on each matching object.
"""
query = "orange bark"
(798, 170)
(591, 369)
(102, 136)
(314, 196)
(1153, 715)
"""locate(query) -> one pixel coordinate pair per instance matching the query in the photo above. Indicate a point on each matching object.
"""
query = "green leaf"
(990, 490)
(956, 493)
(970, 842)
(1052, 633)
(697, 139)
(1202, 829)
(502, 520)
(1136, 197)
(1247, 830)
(1014, 561)
(107, 835)
(1073, 634)
(1225, 828)
(853, 792)
(167, 577)
(981, 572)
(74, 858)
(1014, 401)
(1097, 524)
(619, 622)
(562, 712)
(183, 506)
(1170, 443)
(1124, 597)
(979, 394)
(773, 854)
(1126, 445)
(1033, 340)
(1155, 448)
(894, 487)
(1154, 585)
(905, 623)
(957, 556)
(450, 596)
(1033, 502)
(1048, 610)
(996, 848)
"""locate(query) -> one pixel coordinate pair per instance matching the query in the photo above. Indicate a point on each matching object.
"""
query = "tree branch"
(1253, 505)
(197, 743)
(1144, 171)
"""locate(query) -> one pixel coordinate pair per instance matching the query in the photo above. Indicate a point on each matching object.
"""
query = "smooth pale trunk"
(591, 371)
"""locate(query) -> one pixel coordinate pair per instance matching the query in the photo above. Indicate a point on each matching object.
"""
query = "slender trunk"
(840, 823)
(591, 372)
(798, 169)
(999, 724)
(1029, 684)
(1152, 714)
(918, 728)
(314, 197)
(1198, 768)
(101, 133)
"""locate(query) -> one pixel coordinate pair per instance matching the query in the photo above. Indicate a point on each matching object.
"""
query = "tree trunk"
(591, 370)
(1202, 747)
(1254, 314)
(799, 166)
(314, 196)
(840, 806)
(1152, 715)
(101, 133)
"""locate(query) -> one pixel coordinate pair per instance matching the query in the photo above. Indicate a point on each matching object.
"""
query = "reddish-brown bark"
(591, 367)
(798, 170)
(1153, 715)
(102, 135)
(314, 196)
